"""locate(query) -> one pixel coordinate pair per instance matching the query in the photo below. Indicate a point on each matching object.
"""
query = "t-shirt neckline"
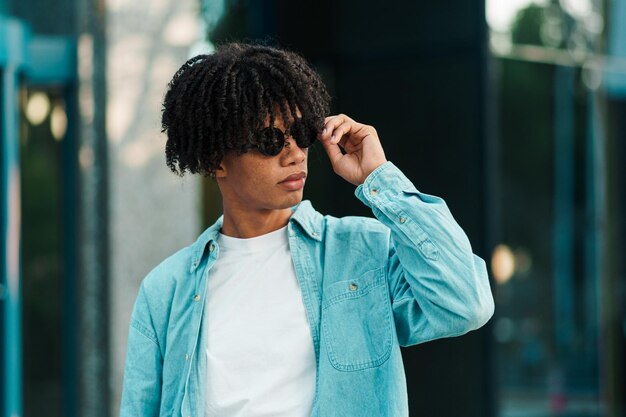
(263, 242)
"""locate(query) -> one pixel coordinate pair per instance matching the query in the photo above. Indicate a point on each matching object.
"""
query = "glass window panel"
(42, 250)
(556, 329)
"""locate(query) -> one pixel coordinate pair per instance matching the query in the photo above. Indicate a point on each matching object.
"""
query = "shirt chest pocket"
(356, 322)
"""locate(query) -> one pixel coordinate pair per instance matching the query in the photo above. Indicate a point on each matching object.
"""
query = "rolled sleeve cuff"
(383, 183)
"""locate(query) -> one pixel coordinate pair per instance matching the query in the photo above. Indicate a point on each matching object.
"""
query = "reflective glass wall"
(558, 330)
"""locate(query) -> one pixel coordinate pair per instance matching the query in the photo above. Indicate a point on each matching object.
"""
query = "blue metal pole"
(70, 308)
(594, 245)
(563, 209)
(14, 36)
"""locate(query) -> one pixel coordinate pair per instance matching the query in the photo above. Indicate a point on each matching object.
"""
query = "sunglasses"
(272, 139)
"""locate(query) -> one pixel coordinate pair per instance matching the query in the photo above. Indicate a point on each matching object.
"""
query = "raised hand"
(364, 153)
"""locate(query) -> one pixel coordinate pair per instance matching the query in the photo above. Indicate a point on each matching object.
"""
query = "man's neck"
(245, 224)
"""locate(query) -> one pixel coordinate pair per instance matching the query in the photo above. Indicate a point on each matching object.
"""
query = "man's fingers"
(332, 150)
(340, 131)
(331, 123)
(337, 117)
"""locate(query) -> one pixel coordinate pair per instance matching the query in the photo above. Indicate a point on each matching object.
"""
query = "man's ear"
(220, 171)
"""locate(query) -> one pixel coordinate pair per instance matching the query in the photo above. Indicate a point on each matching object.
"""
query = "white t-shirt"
(260, 355)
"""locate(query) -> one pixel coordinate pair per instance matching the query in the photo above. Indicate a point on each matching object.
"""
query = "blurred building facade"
(83, 83)
(560, 76)
(514, 113)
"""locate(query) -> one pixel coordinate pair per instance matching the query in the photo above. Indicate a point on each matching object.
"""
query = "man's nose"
(293, 153)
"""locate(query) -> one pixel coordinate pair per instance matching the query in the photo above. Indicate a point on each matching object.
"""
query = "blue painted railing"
(13, 56)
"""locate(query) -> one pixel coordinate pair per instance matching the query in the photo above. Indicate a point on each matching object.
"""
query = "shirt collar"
(304, 215)
(309, 219)
(199, 246)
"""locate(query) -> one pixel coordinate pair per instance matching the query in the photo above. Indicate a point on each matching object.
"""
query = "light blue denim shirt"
(368, 286)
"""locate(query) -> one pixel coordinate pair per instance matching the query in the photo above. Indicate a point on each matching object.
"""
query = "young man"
(277, 310)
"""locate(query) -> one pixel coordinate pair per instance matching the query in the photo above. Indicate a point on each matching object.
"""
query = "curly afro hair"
(216, 103)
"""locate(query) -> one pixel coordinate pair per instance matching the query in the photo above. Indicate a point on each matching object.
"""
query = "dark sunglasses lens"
(303, 136)
(272, 141)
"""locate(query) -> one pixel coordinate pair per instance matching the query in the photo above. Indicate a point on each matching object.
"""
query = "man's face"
(258, 182)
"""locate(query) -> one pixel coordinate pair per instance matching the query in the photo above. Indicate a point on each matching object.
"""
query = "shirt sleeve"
(438, 287)
(141, 392)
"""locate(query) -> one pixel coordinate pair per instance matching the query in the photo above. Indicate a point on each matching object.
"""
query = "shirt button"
(211, 247)
(402, 219)
(313, 234)
(196, 297)
(374, 191)
(186, 356)
(353, 286)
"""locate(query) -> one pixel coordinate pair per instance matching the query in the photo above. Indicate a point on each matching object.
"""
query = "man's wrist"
(365, 186)
(370, 171)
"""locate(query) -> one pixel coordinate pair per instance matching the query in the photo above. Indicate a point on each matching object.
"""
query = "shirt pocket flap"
(355, 287)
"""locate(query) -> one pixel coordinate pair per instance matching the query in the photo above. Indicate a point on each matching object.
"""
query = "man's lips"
(293, 182)
(294, 177)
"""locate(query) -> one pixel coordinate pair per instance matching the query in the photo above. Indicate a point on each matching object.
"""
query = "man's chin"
(293, 199)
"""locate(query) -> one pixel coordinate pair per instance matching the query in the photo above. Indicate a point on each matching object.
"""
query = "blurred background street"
(513, 111)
